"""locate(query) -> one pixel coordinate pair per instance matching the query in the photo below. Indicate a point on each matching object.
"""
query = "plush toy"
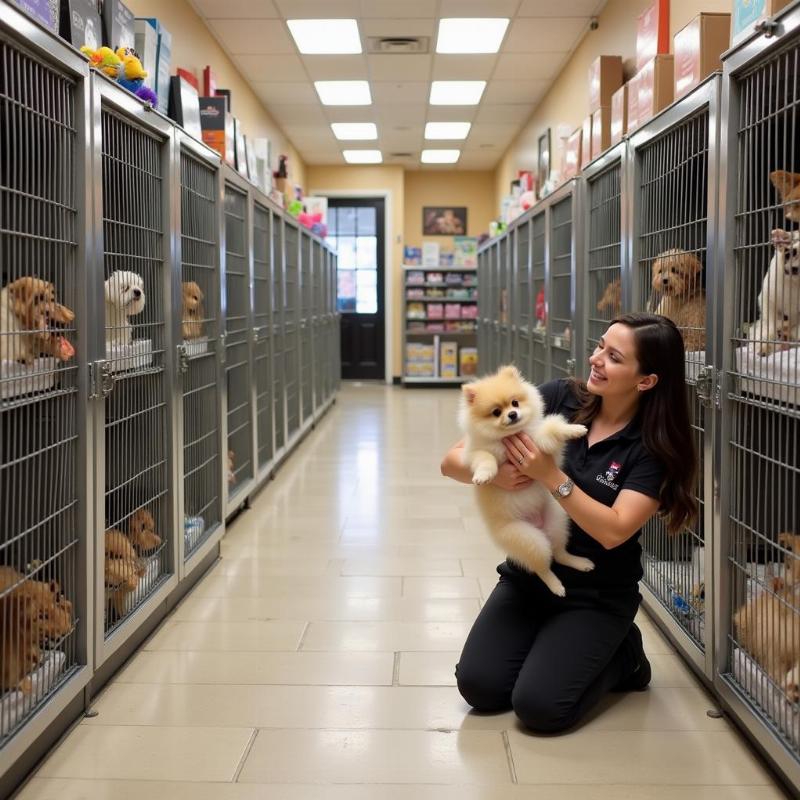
(527, 200)
(131, 73)
(104, 59)
(541, 309)
(295, 208)
(147, 95)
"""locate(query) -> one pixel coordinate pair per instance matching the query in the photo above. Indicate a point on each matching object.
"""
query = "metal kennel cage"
(505, 288)
(45, 478)
(278, 336)
(539, 351)
(202, 512)
(262, 336)
(483, 321)
(240, 458)
(291, 327)
(321, 330)
(522, 299)
(307, 268)
(603, 248)
(495, 345)
(136, 466)
(674, 174)
(757, 603)
(336, 325)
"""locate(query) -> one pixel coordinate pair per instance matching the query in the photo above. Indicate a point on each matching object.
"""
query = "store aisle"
(320, 651)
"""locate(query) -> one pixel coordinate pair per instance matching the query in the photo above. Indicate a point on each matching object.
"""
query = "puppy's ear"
(787, 540)
(784, 182)
(21, 292)
(510, 371)
(469, 393)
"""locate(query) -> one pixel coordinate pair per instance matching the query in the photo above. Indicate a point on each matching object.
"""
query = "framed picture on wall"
(444, 221)
(543, 170)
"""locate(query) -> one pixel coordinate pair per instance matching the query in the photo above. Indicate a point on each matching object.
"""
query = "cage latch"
(705, 386)
(221, 344)
(183, 359)
(101, 379)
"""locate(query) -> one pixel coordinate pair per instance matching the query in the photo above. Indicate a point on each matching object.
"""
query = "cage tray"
(152, 573)
(15, 705)
(17, 379)
(124, 357)
(193, 529)
(196, 347)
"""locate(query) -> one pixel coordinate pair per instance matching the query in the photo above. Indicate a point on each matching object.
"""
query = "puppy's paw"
(584, 564)
(484, 474)
(576, 431)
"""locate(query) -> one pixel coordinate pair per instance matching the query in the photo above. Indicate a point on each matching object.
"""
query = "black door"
(356, 230)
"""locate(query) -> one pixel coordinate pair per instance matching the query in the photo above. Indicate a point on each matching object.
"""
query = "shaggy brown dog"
(676, 278)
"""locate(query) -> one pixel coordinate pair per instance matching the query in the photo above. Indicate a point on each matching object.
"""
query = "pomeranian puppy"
(528, 524)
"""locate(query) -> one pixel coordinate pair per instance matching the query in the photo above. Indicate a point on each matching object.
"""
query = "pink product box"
(469, 312)
(435, 327)
(452, 310)
(435, 311)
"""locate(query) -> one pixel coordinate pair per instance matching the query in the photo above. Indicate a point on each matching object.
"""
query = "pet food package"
(619, 115)
(209, 82)
(697, 49)
(189, 76)
(146, 40)
(80, 23)
(415, 276)
(184, 106)
(655, 88)
(448, 360)
(118, 25)
(605, 77)
(163, 64)
(468, 361)
(465, 253)
(572, 155)
(412, 256)
(586, 141)
(748, 13)
(420, 360)
(45, 12)
(652, 32)
(601, 132)
(212, 123)
(430, 254)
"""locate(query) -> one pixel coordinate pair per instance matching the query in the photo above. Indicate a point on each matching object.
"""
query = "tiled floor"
(315, 662)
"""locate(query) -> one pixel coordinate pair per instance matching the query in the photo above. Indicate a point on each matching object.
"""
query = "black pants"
(549, 659)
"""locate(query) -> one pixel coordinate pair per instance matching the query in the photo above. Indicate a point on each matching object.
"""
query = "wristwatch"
(564, 489)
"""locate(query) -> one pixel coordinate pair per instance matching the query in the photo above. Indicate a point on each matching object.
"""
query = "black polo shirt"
(602, 471)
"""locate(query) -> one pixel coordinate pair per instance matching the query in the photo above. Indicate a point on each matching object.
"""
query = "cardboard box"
(748, 13)
(212, 123)
(448, 360)
(43, 11)
(619, 115)
(586, 142)
(80, 23)
(697, 48)
(184, 106)
(601, 132)
(146, 40)
(163, 64)
(655, 88)
(190, 78)
(605, 77)
(209, 82)
(652, 32)
(241, 151)
(118, 25)
(572, 155)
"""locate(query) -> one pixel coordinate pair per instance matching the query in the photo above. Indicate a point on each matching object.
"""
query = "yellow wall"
(193, 47)
(567, 102)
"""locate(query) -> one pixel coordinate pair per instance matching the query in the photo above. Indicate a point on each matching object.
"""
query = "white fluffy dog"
(779, 302)
(124, 298)
(528, 524)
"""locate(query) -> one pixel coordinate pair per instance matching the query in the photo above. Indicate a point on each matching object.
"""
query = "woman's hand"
(510, 478)
(530, 461)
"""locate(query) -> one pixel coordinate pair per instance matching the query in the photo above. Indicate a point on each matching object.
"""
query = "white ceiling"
(541, 37)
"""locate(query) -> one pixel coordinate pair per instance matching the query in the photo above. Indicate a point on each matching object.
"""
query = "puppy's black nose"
(137, 293)
(665, 281)
(512, 415)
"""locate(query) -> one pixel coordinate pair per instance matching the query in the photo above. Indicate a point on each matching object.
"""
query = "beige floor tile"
(375, 756)
(290, 585)
(322, 669)
(440, 587)
(402, 566)
(150, 753)
(249, 567)
(252, 636)
(428, 669)
(655, 757)
(670, 670)
(482, 567)
(384, 636)
(487, 586)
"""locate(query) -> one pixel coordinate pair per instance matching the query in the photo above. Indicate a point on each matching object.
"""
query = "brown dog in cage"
(676, 281)
(142, 532)
(611, 301)
(768, 625)
(193, 312)
(788, 186)
(30, 319)
(123, 569)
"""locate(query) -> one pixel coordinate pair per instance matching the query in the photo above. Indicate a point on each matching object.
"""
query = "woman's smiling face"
(614, 363)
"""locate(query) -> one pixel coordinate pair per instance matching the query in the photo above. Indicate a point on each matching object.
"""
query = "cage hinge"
(101, 379)
(718, 389)
(768, 27)
(221, 345)
(183, 359)
(705, 385)
(571, 366)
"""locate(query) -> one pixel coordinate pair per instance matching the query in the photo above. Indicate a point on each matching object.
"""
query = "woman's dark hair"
(664, 413)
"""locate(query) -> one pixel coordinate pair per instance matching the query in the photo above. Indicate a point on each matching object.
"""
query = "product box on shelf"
(118, 27)
(601, 131)
(261, 151)
(697, 49)
(189, 76)
(586, 142)
(212, 123)
(435, 311)
(465, 251)
(469, 312)
(446, 259)
(80, 23)
(605, 77)
(619, 115)
(163, 64)
(45, 12)
(240, 148)
(415, 311)
(656, 85)
(652, 32)
(412, 255)
(434, 277)
(430, 254)
(415, 276)
(468, 361)
(146, 40)
(452, 310)
(572, 155)
(209, 82)
(448, 360)
(184, 106)
(748, 13)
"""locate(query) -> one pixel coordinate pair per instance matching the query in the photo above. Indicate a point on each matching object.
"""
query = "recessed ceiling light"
(471, 35)
(456, 93)
(325, 36)
(440, 156)
(447, 130)
(343, 93)
(354, 130)
(362, 156)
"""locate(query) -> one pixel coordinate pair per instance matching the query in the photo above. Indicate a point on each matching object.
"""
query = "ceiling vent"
(398, 45)
(401, 155)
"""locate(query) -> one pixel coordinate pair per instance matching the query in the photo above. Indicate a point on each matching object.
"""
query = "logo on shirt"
(610, 477)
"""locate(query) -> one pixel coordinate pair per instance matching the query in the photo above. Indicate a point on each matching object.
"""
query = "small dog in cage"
(611, 301)
(676, 281)
(125, 298)
(122, 567)
(142, 532)
(30, 322)
(529, 524)
(193, 313)
(788, 186)
(778, 322)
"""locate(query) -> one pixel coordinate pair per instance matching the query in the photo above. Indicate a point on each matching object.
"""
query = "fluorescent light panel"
(447, 130)
(354, 130)
(325, 36)
(440, 156)
(362, 156)
(343, 93)
(471, 35)
(456, 93)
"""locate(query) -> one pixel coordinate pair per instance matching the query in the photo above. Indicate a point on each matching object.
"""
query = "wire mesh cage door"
(522, 301)
(673, 222)
(758, 612)
(202, 464)
(323, 329)
(539, 354)
(562, 284)
(306, 326)
(602, 300)
(45, 481)
(504, 354)
(137, 474)
(495, 346)
(262, 335)
(278, 336)
(483, 320)
(240, 465)
(291, 327)
(336, 356)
